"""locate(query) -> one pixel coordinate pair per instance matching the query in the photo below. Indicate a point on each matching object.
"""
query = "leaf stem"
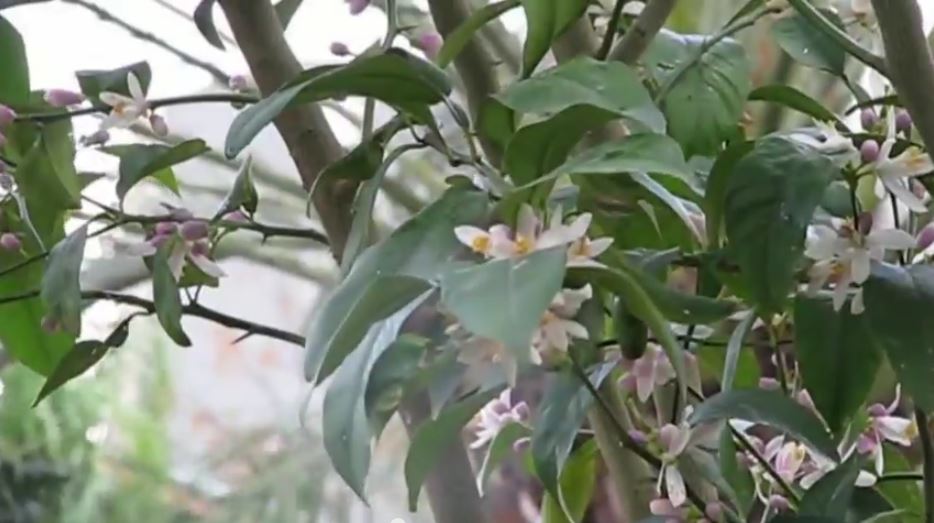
(611, 28)
(154, 104)
(816, 18)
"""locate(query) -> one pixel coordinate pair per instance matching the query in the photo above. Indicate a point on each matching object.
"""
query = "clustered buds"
(903, 122)
(869, 151)
(159, 127)
(869, 119)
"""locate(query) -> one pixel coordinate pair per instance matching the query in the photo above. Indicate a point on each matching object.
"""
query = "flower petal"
(859, 265)
(902, 193)
(114, 99)
(136, 90)
(207, 266)
(527, 224)
(674, 484)
(893, 239)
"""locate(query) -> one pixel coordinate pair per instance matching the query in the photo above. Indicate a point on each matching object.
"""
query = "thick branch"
(910, 65)
(304, 129)
(475, 66)
(643, 31)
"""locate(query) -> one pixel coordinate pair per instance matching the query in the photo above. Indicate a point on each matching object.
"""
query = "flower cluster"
(189, 240)
(496, 415)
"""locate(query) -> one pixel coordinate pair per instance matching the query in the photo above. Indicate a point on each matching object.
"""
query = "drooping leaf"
(395, 77)
(421, 249)
(81, 357)
(738, 476)
(14, 82)
(505, 299)
(808, 44)
(455, 42)
(137, 161)
(704, 87)
(559, 418)
(793, 99)
(346, 429)
(434, 437)
(611, 86)
(770, 408)
(899, 305)
(770, 199)
(242, 193)
(204, 20)
(577, 487)
(496, 122)
(58, 180)
(547, 20)
(94, 82)
(392, 373)
(61, 286)
(499, 449)
(824, 340)
(733, 348)
(165, 296)
(831, 495)
(285, 10)
(717, 184)
(363, 161)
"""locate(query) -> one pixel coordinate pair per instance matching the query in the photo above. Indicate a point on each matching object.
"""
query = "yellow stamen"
(481, 244)
(523, 245)
(911, 431)
(582, 248)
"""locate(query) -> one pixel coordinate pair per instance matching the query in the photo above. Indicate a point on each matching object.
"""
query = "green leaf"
(392, 374)
(165, 296)
(14, 82)
(704, 86)
(61, 285)
(559, 418)
(421, 248)
(793, 518)
(94, 82)
(738, 476)
(434, 437)
(539, 148)
(499, 449)
(285, 10)
(899, 306)
(83, 356)
(364, 160)
(58, 180)
(809, 45)
(496, 122)
(204, 21)
(611, 86)
(678, 306)
(770, 199)
(395, 77)
(546, 21)
(832, 493)
(578, 480)
(242, 194)
(733, 349)
(905, 495)
(825, 340)
(347, 433)
(505, 299)
(770, 408)
(793, 99)
(717, 184)
(137, 161)
(455, 42)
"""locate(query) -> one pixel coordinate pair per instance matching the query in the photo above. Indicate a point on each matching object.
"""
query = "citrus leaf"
(794, 99)
(14, 82)
(137, 161)
(546, 20)
(455, 42)
(808, 44)
(165, 296)
(93, 82)
(81, 357)
(61, 285)
(242, 194)
(204, 21)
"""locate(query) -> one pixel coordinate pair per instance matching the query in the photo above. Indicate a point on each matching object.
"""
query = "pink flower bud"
(159, 240)
(357, 6)
(10, 242)
(429, 43)
(340, 49)
(235, 216)
(50, 325)
(868, 118)
(522, 411)
(864, 223)
(6, 181)
(638, 436)
(779, 503)
(99, 137)
(926, 237)
(200, 249)
(903, 122)
(769, 384)
(166, 228)
(238, 82)
(521, 444)
(869, 151)
(63, 97)
(193, 230)
(2, 140)
(714, 511)
(7, 116)
(158, 125)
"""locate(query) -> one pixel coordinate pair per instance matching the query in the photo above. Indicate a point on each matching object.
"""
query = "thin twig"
(769, 469)
(154, 104)
(900, 476)
(611, 28)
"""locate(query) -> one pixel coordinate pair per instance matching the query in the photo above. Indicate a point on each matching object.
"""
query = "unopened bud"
(99, 137)
(864, 223)
(869, 151)
(869, 119)
(779, 503)
(903, 122)
(638, 436)
(193, 230)
(235, 216)
(10, 242)
(7, 116)
(925, 237)
(6, 181)
(769, 384)
(159, 240)
(63, 97)
(200, 249)
(714, 511)
(158, 125)
(340, 49)
(50, 325)
(429, 43)
(166, 228)
(238, 82)
(357, 6)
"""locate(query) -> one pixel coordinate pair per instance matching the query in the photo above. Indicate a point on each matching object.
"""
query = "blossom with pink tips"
(884, 426)
(674, 440)
(650, 371)
(496, 415)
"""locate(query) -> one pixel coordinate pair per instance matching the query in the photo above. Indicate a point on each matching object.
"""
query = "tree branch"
(305, 130)
(154, 104)
(475, 66)
(643, 31)
(910, 65)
